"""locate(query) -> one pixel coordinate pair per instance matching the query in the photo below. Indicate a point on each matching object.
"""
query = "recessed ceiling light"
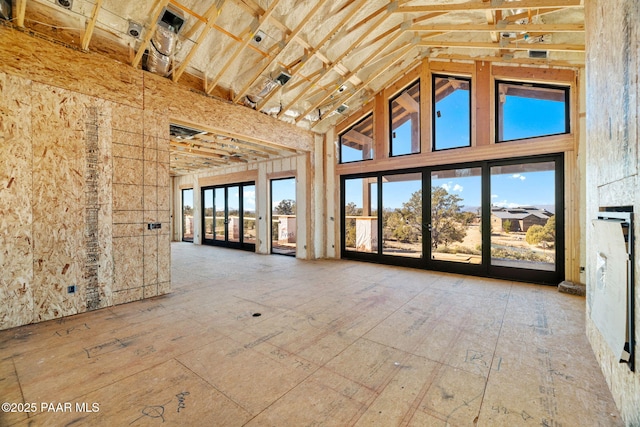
(135, 29)
(259, 36)
(67, 4)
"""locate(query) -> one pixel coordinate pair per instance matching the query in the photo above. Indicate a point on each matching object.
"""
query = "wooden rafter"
(245, 146)
(381, 70)
(247, 37)
(210, 17)
(214, 149)
(294, 33)
(357, 43)
(315, 51)
(336, 62)
(229, 146)
(86, 39)
(20, 10)
(527, 14)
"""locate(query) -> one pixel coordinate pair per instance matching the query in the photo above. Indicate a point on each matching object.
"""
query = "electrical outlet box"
(154, 226)
(71, 289)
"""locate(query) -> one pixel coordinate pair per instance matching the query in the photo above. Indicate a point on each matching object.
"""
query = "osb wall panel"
(66, 246)
(613, 103)
(213, 113)
(84, 72)
(142, 257)
(16, 254)
(45, 192)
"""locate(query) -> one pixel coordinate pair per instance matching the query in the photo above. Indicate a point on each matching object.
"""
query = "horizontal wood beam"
(466, 28)
(470, 6)
(519, 46)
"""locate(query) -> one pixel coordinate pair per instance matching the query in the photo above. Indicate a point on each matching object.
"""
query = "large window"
(356, 144)
(497, 218)
(523, 215)
(451, 112)
(526, 110)
(402, 215)
(187, 215)
(249, 213)
(283, 216)
(456, 215)
(228, 216)
(405, 121)
(361, 214)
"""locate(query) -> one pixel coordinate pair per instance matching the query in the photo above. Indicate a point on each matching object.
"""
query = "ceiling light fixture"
(259, 36)
(67, 4)
(135, 29)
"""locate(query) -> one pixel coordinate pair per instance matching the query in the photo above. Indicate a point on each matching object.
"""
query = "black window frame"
(373, 151)
(434, 112)
(396, 96)
(498, 121)
(182, 233)
(240, 244)
(485, 269)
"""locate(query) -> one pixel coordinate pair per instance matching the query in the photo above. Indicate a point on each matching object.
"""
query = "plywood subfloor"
(336, 343)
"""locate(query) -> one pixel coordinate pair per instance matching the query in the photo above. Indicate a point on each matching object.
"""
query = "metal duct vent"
(259, 91)
(161, 49)
(538, 54)
(5, 9)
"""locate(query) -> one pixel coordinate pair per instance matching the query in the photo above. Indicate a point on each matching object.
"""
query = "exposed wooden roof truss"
(306, 59)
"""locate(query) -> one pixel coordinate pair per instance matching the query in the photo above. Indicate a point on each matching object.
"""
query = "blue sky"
(507, 190)
(283, 189)
(525, 117)
(187, 198)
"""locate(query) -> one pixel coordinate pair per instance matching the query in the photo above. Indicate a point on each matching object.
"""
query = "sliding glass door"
(494, 218)
(187, 215)
(525, 232)
(229, 216)
(455, 222)
(283, 216)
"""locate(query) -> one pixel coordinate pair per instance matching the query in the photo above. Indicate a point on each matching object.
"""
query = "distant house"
(521, 218)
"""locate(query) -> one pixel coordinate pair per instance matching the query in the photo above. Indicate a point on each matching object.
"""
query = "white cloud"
(505, 204)
(450, 186)
(494, 196)
(518, 176)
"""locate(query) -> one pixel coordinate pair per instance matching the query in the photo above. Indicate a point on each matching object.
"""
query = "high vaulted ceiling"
(316, 60)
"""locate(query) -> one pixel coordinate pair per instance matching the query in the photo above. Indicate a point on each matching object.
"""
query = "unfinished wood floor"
(337, 343)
